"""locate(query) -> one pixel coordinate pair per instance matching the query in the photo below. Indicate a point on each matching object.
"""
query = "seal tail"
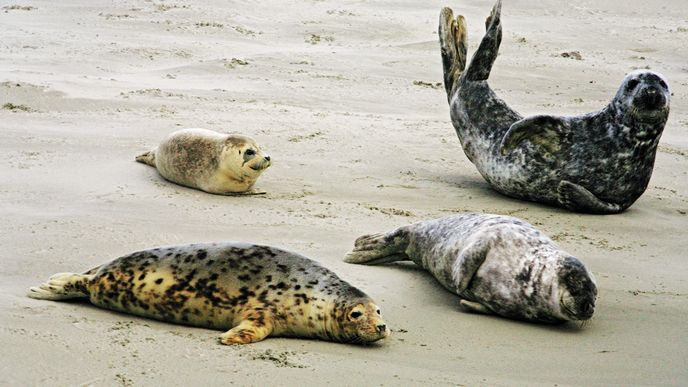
(452, 33)
(376, 249)
(62, 286)
(485, 56)
(147, 158)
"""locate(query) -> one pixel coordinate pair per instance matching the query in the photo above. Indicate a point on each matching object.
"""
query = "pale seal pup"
(251, 291)
(207, 160)
(495, 264)
(599, 162)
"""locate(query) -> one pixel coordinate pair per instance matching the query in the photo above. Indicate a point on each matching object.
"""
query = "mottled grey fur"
(251, 290)
(599, 162)
(494, 263)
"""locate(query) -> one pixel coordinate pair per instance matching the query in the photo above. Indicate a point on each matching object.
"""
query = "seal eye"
(378, 311)
(632, 84)
(663, 84)
(355, 315)
(250, 152)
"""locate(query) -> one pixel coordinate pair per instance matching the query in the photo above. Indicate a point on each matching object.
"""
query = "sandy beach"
(346, 98)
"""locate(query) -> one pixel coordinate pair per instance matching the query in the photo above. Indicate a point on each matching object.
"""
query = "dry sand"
(344, 96)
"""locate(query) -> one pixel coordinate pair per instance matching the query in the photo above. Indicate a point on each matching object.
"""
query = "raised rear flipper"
(485, 56)
(381, 248)
(577, 198)
(542, 130)
(452, 34)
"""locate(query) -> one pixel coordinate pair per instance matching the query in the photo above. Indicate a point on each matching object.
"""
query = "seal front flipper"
(245, 333)
(543, 130)
(452, 33)
(252, 192)
(475, 307)
(381, 248)
(485, 56)
(468, 263)
(578, 198)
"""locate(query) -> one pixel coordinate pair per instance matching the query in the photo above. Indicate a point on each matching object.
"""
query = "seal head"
(643, 98)
(361, 322)
(243, 157)
(577, 290)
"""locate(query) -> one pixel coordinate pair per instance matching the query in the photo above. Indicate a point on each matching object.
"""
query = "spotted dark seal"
(252, 291)
(598, 163)
(210, 161)
(495, 264)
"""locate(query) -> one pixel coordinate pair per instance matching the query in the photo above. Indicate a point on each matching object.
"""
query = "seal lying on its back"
(599, 162)
(210, 161)
(495, 263)
(250, 290)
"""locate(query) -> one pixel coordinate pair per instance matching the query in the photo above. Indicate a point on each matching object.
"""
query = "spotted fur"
(209, 161)
(599, 162)
(495, 264)
(251, 291)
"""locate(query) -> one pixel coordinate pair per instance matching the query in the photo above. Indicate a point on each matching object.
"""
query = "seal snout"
(261, 163)
(382, 328)
(586, 311)
(651, 98)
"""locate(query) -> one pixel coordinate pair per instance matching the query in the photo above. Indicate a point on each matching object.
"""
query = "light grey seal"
(210, 161)
(599, 162)
(252, 291)
(495, 264)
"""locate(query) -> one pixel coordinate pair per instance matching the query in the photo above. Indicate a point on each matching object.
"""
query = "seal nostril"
(381, 327)
(267, 158)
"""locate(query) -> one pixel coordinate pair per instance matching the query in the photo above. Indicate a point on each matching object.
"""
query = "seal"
(599, 162)
(210, 161)
(252, 291)
(495, 264)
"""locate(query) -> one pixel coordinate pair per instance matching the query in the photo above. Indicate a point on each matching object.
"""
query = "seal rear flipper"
(147, 158)
(485, 56)
(381, 248)
(543, 130)
(452, 33)
(578, 198)
(62, 286)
